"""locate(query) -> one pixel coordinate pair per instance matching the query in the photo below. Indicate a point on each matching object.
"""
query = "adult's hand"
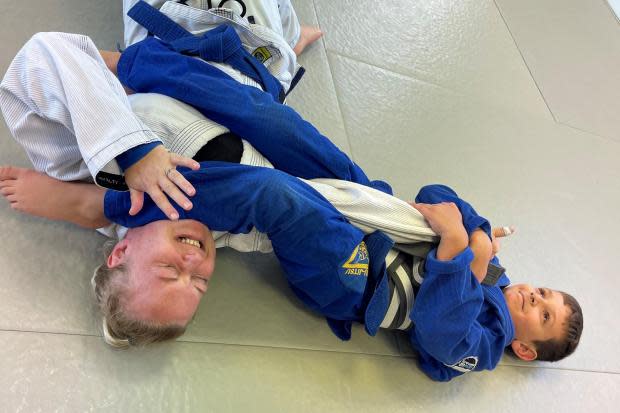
(156, 175)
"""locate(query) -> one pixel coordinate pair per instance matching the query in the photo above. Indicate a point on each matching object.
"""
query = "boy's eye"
(546, 316)
(541, 292)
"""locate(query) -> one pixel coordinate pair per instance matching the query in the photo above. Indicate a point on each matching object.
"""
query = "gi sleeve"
(451, 334)
(434, 194)
(315, 244)
(290, 143)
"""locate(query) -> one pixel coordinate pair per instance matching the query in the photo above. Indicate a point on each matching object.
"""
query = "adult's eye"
(202, 281)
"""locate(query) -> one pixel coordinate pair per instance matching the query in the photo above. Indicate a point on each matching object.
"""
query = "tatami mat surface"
(473, 94)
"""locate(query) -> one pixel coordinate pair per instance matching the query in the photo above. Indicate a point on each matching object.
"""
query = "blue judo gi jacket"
(459, 325)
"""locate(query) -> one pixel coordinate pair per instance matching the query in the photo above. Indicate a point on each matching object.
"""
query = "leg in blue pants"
(291, 144)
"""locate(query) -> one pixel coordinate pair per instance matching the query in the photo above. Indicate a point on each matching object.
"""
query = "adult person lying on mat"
(363, 298)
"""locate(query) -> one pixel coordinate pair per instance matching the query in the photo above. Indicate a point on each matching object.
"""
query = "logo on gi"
(465, 365)
(262, 54)
(357, 264)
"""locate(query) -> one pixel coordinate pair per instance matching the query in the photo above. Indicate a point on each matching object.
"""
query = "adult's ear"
(118, 256)
(524, 350)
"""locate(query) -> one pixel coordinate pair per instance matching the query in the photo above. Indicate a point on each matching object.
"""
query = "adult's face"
(170, 264)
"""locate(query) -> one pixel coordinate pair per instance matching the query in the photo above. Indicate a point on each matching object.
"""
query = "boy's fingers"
(137, 201)
(503, 231)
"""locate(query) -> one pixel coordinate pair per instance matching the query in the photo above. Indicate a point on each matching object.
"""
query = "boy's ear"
(117, 256)
(524, 350)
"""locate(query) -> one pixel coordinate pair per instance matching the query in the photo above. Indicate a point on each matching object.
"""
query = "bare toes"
(11, 172)
(313, 34)
(6, 191)
(7, 182)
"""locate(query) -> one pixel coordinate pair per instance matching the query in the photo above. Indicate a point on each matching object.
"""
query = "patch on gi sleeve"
(466, 365)
(357, 264)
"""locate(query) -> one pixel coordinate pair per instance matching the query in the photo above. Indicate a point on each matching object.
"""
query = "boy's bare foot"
(308, 35)
(34, 193)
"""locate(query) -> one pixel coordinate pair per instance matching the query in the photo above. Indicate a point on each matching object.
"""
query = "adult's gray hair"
(112, 287)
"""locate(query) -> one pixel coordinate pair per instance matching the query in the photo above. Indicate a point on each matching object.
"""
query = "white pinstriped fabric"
(268, 33)
(278, 15)
(63, 105)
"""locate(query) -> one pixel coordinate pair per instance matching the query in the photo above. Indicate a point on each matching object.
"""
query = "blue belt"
(221, 45)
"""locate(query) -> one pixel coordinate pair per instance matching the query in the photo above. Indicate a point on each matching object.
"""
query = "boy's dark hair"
(554, 350)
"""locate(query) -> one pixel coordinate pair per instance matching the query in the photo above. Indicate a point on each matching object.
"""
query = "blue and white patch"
(466, 365)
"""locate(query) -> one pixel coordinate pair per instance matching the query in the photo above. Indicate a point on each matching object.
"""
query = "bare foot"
(37, 194)
(308, 35)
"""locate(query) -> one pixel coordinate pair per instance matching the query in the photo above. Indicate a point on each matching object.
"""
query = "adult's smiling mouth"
(191, 241)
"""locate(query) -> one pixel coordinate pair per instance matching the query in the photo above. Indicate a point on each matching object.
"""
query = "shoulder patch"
(357, 264)
(466, 365)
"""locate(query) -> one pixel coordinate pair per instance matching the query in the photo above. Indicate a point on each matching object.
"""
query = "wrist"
(481, 245)
(133, 155)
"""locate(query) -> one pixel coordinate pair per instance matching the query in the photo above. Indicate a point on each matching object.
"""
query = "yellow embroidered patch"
(357, 264)
(262, 54)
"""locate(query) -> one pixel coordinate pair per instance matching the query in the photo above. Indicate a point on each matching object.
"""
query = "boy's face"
(538, 314)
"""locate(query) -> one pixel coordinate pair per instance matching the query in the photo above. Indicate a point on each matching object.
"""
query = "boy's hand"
(500, 232)
(447, 222)
(156, 175)
(482, 247)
